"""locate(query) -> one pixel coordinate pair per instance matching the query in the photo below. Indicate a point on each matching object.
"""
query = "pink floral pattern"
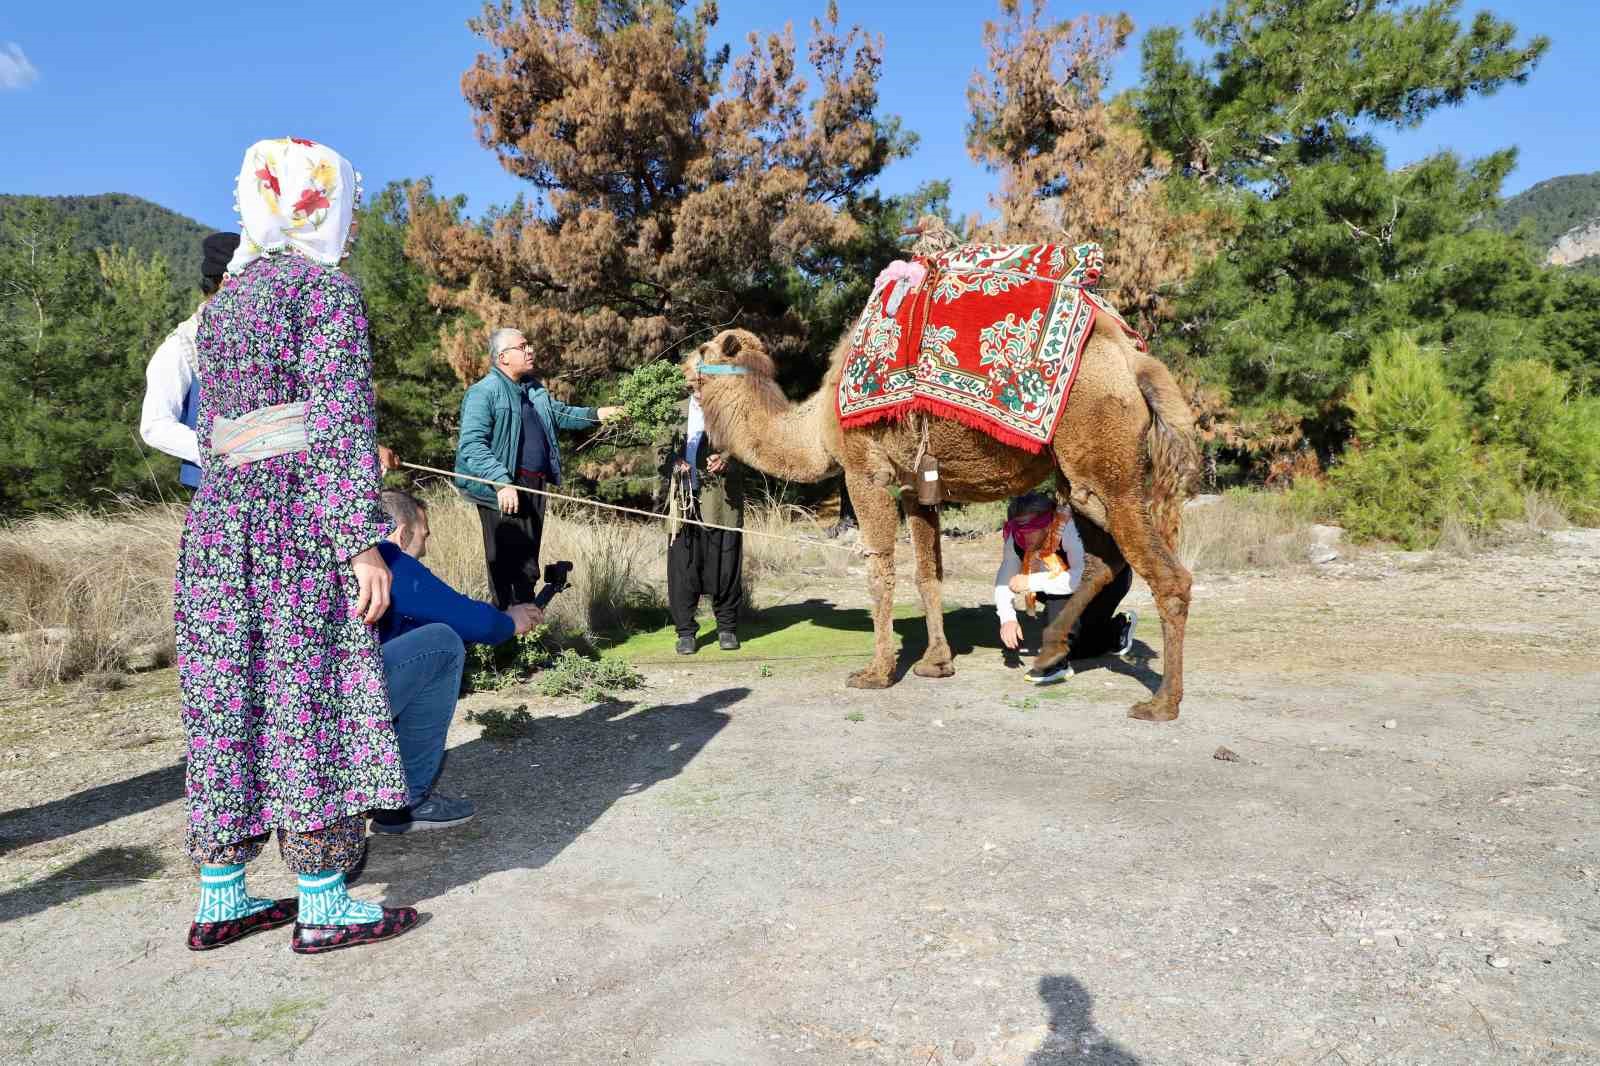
(284, 699)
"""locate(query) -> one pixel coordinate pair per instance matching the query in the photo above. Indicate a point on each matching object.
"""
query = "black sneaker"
(1130, 620)
(728, 641)
(686, 646)
(435, 812)
(1049, 675)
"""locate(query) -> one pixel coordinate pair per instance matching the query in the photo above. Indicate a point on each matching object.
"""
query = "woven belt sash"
(260, 434)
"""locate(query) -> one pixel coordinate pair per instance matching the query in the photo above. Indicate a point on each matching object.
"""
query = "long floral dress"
(284, 698)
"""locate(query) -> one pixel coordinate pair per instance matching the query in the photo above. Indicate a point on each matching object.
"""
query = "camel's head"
(933, 237)
(731, 354)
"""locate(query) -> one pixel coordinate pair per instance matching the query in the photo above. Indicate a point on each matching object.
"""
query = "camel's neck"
(785, 441)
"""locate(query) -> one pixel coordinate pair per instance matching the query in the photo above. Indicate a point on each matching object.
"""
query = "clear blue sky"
(159, 99)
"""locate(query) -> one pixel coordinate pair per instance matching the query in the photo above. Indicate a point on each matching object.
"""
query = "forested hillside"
(1554, 209)
(127, 221)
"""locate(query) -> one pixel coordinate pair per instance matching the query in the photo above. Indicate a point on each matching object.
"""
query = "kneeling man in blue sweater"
(424, 635)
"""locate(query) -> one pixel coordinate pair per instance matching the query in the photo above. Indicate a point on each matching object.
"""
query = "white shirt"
(1062, 584)
(695, 434)
(166, 386)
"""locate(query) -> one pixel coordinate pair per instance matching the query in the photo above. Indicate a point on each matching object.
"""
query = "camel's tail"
(1174, 459)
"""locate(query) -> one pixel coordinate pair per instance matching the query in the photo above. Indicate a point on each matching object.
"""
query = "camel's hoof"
(1154, 711)
(927, 669)
(868, 679)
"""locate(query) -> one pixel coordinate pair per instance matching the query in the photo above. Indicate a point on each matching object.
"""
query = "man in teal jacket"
(508, 435)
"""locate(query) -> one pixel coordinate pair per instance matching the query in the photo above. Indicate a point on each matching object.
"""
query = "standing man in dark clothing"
(705, 486)
(508, 435)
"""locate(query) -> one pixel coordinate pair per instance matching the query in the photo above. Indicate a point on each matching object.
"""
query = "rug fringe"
(938, 409)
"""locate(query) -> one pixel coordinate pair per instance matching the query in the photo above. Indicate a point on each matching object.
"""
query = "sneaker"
(1049, 675)
(1130, 620)
(728, 641)
(435, 812)
(686, 646)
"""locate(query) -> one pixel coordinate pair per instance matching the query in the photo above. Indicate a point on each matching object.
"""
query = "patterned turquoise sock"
(324, 900)
(222, 895)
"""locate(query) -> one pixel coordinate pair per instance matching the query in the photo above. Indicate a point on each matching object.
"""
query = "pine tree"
(674, 187)
(419, 398)
(1332, 248)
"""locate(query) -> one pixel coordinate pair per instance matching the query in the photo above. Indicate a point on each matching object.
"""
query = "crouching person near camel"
(423, 635)
(1041, 565)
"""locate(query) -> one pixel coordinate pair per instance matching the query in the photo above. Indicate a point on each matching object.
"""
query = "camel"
(1123, 455)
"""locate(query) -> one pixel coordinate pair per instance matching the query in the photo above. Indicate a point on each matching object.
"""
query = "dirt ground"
(745, 863)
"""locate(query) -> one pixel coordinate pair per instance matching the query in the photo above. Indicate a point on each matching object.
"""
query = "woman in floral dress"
(278, 578)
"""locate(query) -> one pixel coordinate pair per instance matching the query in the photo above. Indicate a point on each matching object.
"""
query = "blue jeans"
(423, 668)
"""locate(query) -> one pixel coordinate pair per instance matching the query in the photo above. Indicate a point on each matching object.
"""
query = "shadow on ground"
(1074, 1038)
(100, 869)
(818, 629)
(535, 799)
(90, 808)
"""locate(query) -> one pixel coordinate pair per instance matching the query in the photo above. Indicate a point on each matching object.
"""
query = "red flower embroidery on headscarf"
(265, 174)
(302, 140)
(311, 200)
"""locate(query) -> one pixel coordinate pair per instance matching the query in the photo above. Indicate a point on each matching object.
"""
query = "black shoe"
(1049, 675)
(204, 936)
(686, 646)
(728, 640)
(435, 812)
(316, 939)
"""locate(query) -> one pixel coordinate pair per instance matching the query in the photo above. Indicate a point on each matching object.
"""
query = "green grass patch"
(817, 630)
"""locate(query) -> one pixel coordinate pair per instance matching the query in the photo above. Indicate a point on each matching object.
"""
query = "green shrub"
(572, 674)
(1553, 439)
(491, 667)
(1414, 466)
(652, 397)
(1408, 491)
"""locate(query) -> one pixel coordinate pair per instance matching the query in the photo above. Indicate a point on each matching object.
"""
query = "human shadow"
(91, 807)
(1074, 1039)
(101, 869)
(537, 794)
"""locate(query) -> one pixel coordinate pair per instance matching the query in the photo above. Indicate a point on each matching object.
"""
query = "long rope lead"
(811, 542)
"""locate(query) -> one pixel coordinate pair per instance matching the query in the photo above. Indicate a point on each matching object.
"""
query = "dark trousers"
(511, 549)
(705, 562)
(1097, 631)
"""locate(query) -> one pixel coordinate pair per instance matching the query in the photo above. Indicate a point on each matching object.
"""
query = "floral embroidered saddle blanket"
(989, 335)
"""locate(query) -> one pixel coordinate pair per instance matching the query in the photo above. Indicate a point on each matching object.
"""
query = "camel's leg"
(1146, 551)
(879, 519)
(1097, 574)
(938, 660)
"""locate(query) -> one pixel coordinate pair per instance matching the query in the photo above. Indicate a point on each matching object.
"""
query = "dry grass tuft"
(1543, 512)
(784, 559)
(86, 594)
(619, 567)
(1246, 531)
(90, 595)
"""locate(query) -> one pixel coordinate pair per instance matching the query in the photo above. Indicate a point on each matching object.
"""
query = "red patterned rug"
(989, 335)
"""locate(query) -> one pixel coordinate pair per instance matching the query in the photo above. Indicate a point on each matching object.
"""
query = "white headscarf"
(294, 194)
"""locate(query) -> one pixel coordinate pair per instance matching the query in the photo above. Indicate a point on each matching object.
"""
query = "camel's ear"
(732, 344)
